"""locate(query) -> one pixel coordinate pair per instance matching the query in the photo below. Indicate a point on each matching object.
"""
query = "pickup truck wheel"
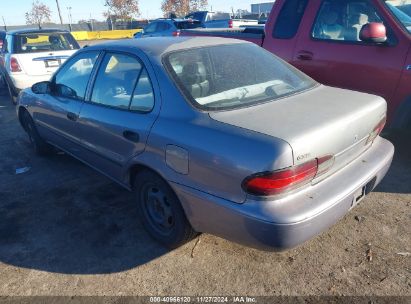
(161, 211)
(40, 146)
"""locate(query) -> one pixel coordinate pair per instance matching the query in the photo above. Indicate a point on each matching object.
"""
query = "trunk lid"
(42, 63)
(319, 122)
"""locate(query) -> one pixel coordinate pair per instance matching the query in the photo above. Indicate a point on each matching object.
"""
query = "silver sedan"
(213, 135)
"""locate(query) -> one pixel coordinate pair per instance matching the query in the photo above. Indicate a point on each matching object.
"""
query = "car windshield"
(43, 42)
(402, 10)
(233, 76)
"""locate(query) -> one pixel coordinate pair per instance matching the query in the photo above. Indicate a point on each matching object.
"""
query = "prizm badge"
(303, 156)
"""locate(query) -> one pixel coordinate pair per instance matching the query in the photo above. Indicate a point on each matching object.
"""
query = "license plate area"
(52, 63)
(358, 196)
(362, 192)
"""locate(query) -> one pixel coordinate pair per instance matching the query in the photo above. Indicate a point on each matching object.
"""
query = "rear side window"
(163, 26)
(43, 42)
(289, 19)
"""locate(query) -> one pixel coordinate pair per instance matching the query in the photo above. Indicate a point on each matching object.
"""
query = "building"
(262, 8)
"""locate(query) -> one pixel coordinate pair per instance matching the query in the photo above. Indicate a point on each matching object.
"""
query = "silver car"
(213, 135)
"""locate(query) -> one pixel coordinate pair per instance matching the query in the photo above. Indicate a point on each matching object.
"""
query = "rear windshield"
(233, 76)
(186, 25)
(43, 42)
(218, 16)
(196, 16)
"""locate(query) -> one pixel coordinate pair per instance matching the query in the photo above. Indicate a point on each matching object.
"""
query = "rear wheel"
(161, 211)
(39, 145)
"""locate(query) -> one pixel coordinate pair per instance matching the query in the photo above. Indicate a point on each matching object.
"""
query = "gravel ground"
(67, 230)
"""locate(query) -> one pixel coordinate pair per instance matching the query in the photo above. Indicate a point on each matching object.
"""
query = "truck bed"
(252, 34)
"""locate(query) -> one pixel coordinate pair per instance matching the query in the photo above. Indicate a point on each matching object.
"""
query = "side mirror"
(373, 32)
(139, 34)
(43, 87)
(65, 91)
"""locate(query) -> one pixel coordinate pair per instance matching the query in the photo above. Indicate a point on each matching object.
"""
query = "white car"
(31, 56)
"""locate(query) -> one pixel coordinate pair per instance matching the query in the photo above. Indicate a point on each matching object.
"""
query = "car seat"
(330, 28)
(357, 18)
(194, 78)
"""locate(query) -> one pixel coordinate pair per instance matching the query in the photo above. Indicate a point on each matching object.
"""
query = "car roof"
(170, 20)
(158, 46)
(33, 30)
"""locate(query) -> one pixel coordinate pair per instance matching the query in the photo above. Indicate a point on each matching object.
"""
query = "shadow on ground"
(85, 226)
(398, 177)
(63, 217)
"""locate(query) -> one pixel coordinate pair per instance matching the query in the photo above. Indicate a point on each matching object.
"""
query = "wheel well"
(132, 172)
(402, 117)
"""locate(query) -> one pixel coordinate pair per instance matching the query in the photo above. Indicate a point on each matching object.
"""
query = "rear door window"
(289, 19)
(151, 28)
(163, 26)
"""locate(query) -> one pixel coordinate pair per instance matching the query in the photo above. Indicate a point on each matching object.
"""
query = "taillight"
(377, 130)
(14, 65)
(176, 33)
(281, 181)
(230, 23)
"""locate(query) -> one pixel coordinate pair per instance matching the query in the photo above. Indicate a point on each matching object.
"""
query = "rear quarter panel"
(220, 156)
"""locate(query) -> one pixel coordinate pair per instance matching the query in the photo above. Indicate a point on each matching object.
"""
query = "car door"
(56, 113)
(116, 120)
(330, 51)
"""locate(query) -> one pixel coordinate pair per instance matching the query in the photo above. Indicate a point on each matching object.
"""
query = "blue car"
(167, 27)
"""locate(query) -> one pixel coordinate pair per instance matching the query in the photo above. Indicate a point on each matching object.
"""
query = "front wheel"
(161, 211)
(40, 146)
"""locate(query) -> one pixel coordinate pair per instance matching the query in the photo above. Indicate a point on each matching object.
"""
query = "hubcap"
(158, 209)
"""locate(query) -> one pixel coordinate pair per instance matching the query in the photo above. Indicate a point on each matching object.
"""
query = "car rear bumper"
(23, 81)
(287, 222)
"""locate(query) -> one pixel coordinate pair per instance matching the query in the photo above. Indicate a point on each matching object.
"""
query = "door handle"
(305, 55)
(72, 116)
(131, 136)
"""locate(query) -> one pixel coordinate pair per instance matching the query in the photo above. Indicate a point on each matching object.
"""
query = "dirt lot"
(67, 230)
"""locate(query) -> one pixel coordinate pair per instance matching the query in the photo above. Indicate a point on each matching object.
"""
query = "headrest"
(194, 73)
(54, 39)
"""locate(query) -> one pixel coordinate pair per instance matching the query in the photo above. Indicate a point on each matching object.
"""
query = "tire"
(40, 147)
(160, 210)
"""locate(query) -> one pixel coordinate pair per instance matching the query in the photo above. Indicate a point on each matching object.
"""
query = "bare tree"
(182, 7)
(38, 14)
(122, 9)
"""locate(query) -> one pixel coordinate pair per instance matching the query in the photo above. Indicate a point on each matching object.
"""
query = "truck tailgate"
(253, 34)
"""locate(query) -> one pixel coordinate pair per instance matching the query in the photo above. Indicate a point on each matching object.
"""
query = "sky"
(13, 10)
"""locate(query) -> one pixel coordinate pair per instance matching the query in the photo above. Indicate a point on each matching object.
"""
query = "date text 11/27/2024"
(199, 299)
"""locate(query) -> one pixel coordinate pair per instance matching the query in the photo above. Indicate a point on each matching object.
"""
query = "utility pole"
(5, 26)
(58, 9)
(70, 18)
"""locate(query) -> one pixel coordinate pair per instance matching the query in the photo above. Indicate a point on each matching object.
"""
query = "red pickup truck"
(362, 45)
